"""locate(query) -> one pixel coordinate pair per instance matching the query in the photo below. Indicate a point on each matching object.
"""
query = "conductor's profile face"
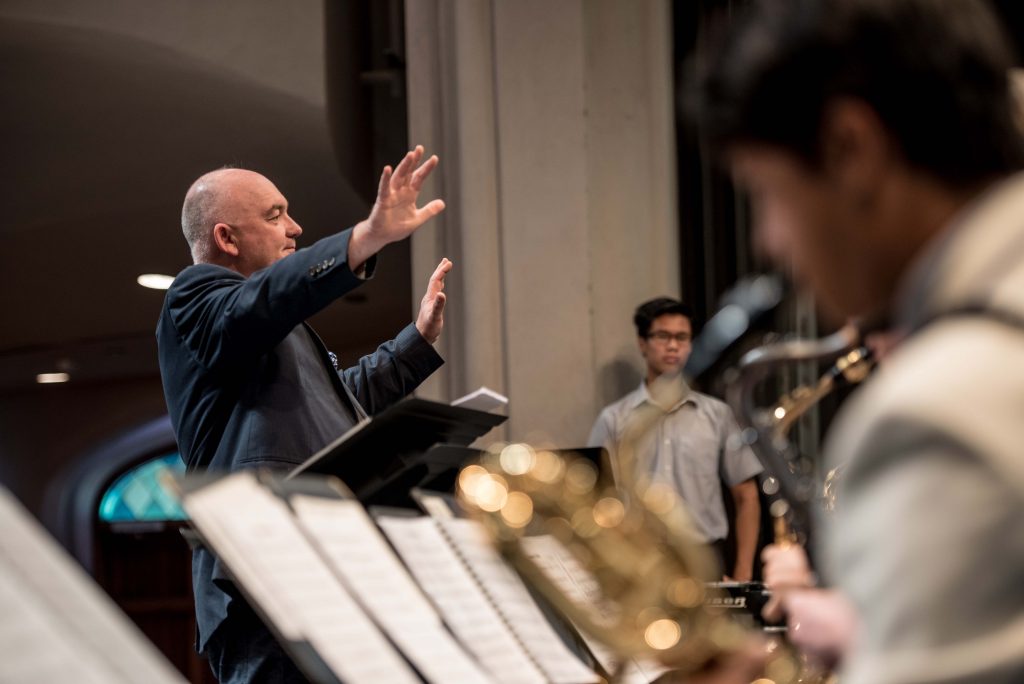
(259, 228)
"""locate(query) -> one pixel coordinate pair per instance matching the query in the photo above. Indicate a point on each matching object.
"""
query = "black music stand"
(415, 443)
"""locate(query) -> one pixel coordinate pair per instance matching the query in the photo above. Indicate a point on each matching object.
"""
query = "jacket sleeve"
(927, 544)
(224, 318)
(398, 367)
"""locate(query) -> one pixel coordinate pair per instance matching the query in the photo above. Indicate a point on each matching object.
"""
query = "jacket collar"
(977, 261)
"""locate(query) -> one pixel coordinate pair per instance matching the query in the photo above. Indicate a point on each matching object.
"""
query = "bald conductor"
(249, 383)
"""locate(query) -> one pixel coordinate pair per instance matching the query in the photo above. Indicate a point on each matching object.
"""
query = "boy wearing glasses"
(694, 445)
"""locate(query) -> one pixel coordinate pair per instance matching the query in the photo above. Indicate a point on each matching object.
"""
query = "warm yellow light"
(516, 459)
(547, 467)
(518, 510)
(685, 592)
(609, 512)
(660, 498)
(50, 378)
(491, 493)
(155, 281)
(583, 523)
(580, 477)
(468, 478)
(662, 634)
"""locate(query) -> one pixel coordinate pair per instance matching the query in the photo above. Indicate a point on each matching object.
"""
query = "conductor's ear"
(225, 239)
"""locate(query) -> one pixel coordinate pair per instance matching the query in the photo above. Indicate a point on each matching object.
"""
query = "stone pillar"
(554, 124)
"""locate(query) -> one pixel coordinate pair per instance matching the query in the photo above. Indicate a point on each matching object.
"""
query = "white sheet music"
(36, 646)
(483, 399)
(345, 534)
(463, 604)
(515, 603)
(580, 586)
(254, 533)
(56, 625)
(641, 671)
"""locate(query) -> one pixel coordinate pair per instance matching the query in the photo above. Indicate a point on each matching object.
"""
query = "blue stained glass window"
(140, 494)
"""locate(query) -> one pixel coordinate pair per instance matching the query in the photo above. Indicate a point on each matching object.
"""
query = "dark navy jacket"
(248, 383)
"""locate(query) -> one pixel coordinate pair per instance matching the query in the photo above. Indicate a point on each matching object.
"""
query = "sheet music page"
(255, 534)
(56, 624)
(482, 399)
(435, 506)
(35, 646)
(641, 671)
(463, 604)
(514, 601)
(580, 586)
(344, 532)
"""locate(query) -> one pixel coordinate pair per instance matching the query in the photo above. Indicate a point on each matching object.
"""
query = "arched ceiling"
(103, 133)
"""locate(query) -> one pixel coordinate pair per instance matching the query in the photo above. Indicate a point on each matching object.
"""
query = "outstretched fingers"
(408, 163)
(420, 175)
(384, 187)
(437, 313)
(395, 215)
(436, 284)
(430, 318)
(429, 211)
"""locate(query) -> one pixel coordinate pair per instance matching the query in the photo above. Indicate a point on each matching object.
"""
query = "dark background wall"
(111, 109)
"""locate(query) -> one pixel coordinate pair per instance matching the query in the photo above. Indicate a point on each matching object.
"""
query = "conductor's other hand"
(395, 215)
(430, 319)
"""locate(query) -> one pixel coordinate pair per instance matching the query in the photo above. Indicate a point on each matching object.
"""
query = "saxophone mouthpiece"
(779, 511)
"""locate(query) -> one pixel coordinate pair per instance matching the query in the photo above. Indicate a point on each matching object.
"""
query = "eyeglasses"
(663, 336)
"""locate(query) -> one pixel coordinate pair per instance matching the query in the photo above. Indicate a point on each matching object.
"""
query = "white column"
(554, 125)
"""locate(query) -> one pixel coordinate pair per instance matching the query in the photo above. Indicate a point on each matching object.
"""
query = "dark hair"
(648, 311)
(934, 71)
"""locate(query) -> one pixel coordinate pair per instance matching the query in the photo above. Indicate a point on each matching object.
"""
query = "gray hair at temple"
(199, 213)
(935, 72)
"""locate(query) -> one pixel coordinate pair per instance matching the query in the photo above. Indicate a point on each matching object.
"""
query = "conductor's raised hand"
(395, 214)
(430, 319)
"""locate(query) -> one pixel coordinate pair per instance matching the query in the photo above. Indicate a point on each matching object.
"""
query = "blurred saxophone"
(643, 556)
(767, 428)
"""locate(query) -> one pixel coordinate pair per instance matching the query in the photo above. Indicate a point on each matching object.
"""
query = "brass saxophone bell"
(644, 565)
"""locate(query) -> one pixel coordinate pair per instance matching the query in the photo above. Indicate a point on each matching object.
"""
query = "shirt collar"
(959, 265)
(641, 395)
